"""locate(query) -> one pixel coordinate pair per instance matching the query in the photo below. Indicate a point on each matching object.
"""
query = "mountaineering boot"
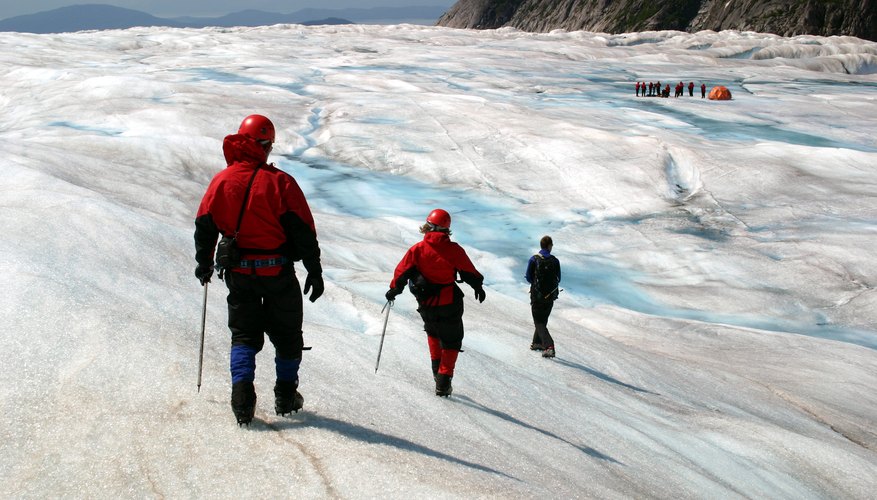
(536, 344)
(243, 402)
(443, 385)
(549, 352)
(243, 395)
(545, 339)
(286, 398)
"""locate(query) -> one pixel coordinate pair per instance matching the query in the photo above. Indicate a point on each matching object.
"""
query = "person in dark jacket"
(266, 213)
(431, 267)
(542, 303)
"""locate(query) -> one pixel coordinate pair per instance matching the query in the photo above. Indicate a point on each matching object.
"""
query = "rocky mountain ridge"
(782, 17)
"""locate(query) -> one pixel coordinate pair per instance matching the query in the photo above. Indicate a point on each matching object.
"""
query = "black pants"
(541, 310)
(444, 322)
(272, 305)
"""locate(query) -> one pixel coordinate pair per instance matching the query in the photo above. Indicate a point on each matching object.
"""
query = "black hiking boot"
(443, 385)
(286, 398)
(536, 347)
(549, 352)
(243, 402)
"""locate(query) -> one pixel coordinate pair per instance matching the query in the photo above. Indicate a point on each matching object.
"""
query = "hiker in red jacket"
(430, 267)
(265, 220)
(702, 90)
(690, 89)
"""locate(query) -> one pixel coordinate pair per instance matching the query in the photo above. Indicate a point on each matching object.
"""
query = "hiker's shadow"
(505, 416)
(603, 376)
(366, 435)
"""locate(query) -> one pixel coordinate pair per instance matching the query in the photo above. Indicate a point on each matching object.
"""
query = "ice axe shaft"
(386, 311)
(203, 324)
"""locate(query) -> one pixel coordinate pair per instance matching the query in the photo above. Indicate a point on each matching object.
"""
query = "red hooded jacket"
(439, 260)
(277, 220)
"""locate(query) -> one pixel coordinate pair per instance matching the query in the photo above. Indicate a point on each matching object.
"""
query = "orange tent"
(720, 93)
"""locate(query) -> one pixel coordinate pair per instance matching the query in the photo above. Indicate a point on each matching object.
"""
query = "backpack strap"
(535, 259)
(246, 198)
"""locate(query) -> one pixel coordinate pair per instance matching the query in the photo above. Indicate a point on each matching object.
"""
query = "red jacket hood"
(242, 149)
(437, 237)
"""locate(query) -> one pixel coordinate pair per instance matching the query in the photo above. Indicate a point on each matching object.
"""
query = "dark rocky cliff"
(783, 17)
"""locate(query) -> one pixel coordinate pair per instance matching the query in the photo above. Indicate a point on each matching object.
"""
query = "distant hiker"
(702, 90)
(690, 89)
(637, 89)
(680, 89)
(651, 88)
(543, 275)
(266, 224)
(430, 268)
(667, 91)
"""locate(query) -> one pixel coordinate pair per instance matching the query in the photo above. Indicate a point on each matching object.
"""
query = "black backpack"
(546, 278)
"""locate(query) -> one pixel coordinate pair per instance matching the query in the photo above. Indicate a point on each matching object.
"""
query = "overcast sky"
(174, 8)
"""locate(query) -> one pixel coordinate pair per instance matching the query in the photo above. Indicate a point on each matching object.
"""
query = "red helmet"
(439, 217)
(257, 127)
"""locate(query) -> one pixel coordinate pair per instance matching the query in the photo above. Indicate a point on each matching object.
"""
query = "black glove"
(479, 294)
(203, 273)
(314, 281)
(392, 293)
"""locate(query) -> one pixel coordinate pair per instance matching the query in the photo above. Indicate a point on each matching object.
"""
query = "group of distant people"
(653, 89)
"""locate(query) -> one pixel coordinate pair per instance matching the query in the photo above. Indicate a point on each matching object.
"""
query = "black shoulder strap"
(246, 197)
